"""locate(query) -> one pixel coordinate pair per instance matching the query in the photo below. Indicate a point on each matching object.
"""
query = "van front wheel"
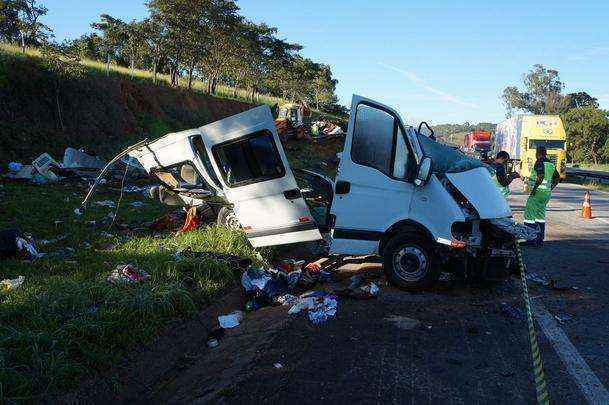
(409, 263)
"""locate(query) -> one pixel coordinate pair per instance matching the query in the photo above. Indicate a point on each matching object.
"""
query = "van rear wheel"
(228, 219)
(409, 262)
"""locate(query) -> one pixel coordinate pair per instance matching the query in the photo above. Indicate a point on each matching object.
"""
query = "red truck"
(478, 141)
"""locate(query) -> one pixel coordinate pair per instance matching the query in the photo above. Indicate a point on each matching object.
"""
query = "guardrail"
(603, 177)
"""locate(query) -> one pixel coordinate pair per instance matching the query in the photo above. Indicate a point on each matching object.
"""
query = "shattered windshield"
(447, 159)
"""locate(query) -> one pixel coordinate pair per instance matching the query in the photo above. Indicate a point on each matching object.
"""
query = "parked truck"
(478, 142)
(420, 205)
(522, 134)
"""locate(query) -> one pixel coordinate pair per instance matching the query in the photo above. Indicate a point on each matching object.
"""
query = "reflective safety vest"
(548, 173)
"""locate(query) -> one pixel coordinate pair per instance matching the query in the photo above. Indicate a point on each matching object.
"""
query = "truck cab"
(399, 194)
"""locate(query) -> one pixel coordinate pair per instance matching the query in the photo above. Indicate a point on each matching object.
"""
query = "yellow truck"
(522, 134)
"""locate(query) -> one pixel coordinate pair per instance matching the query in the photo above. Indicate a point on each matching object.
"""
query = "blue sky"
(441, 61)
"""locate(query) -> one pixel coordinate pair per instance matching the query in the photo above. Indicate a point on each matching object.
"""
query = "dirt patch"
(179, 367)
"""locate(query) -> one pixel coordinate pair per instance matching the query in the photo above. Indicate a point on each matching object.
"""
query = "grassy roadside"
(66, 320)
(591, 166)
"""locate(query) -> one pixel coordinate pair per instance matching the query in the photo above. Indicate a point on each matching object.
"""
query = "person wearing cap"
(544, 178)
(501, 177)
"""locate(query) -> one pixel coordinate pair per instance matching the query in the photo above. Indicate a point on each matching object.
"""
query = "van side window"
(373, 138)
(250, 159)
(400, 164)
(197, 142)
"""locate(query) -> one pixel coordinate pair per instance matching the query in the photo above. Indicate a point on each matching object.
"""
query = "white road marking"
(588, 382)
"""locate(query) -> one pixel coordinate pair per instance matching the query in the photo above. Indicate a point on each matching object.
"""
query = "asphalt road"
(453, 345)
(464, 349)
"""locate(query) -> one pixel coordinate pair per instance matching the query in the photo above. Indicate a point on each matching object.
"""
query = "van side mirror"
(425, 129)
(423, 172)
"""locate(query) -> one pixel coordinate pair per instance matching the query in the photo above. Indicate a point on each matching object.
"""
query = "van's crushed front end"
(485, 243)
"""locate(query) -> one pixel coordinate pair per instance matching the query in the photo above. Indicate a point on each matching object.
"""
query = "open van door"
(256, 178)
(374, 186)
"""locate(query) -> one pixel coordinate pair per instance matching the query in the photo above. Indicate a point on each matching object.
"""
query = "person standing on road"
(544, 178)
(501, 177)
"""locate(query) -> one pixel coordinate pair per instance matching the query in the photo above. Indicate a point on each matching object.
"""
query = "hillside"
(100, 113)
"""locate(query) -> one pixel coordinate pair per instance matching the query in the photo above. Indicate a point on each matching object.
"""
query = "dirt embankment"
(96, 112)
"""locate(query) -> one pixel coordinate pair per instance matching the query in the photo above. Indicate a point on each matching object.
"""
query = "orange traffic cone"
(586, 207)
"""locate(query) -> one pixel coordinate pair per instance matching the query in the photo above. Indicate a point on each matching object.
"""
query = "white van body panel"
(434, 208)
(375, 200)
(478, 187)
(266, 215)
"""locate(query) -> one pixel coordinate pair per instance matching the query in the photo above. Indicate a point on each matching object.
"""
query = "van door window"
(248, 160)
(373, 138)
(401, 160)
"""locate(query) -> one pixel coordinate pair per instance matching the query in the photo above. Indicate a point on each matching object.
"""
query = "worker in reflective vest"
(501, 178)
(544, 178)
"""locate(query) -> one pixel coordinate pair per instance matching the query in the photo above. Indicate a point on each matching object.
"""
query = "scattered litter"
(15, 166)
(105, 234)
(137, 204)
(44, 165)
(211, 343)
(77, 211)
(13, 243)
(286, 299)
(231, 320)
(403, 322)
(45, 242)
(534, 277)
(278, 365)
(358, 290)
(253, 279)
(320, 306)
(81, 159)
(106, 203)
(11, 285)
(127, 274)
(511, 312)
(563, 318)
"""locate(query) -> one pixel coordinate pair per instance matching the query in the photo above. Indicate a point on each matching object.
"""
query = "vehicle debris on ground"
(7, 285)
(127, 274)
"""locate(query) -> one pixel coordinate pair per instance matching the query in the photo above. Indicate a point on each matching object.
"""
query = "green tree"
(542, 93)
(63, 66)
(114, 37)
(581, 99)
(9, 20)
(587, 131)
(31, 30)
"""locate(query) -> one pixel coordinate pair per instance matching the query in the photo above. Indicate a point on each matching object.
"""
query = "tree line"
(586, 124)
(188, 40)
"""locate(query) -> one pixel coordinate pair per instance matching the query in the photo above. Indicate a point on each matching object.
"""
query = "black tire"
(228, 219)
(409, 262)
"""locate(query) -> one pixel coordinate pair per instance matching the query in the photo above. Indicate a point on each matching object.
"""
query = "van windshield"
(447, 159)
(548, 143)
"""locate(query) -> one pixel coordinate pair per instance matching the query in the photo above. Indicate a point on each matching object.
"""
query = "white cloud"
(442, 94)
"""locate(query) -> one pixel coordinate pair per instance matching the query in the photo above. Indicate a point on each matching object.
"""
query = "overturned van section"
(398, 193)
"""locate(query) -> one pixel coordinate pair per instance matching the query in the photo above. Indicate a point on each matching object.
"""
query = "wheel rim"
(232, 222)
(410, 263)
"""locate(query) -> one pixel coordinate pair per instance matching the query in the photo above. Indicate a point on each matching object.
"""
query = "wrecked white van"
(420, 205)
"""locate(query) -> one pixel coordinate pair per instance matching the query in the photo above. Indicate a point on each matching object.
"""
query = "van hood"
(480, 190)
